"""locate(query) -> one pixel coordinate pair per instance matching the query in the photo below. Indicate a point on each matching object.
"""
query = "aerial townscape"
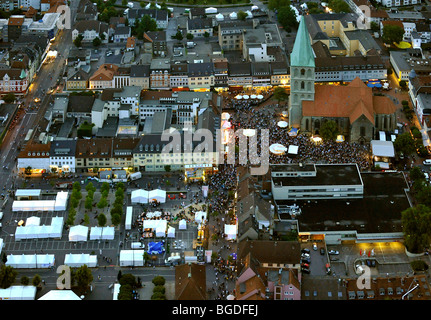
(224, 150)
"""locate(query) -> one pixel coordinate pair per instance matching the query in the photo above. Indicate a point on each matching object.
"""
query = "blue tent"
(155, 248)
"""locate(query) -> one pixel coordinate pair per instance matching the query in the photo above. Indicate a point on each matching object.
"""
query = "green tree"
(392, 33)
(329, 130)
(105, 186)
(36, 281)
(27, 170)
(158, 281)
(403, 84)
(83, 277)
(189, 36)
(178, 35)
(416, 222)
(115, 219)
(124, 2)
(128, 279)
(78, 40)
(280, 94)
(339, 6)
(167, 168)
(9, 97)
(158, 296)
(97, 42)
(416, 174)
(145, 24)
(404, 143)
(102, 203)
(7, 276)
(423, 196)
(25, 280)
(125, 292)
(242, 15)
(277, 4)
(120, 185)
(374, 26)
(287, 18)
(101, 220)
(86, 219)
(206, 34)
(76, 186)
(160, 289)
(88, 203)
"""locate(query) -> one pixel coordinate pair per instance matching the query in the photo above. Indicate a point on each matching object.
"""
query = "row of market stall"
(59, 204)
(143, 196)
(80, 233)
(46, 261)
(33, 230)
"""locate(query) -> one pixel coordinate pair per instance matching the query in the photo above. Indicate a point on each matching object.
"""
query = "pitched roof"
(105, 72)
(302, 53)
(351, 101)
(190, 282)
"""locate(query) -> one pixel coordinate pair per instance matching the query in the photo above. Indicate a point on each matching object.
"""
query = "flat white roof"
(28, 192)
(382, 148)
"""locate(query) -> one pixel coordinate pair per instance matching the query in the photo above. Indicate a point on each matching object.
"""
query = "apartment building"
(62, 155)
(159, 74)
(140, 76)
(200, 76)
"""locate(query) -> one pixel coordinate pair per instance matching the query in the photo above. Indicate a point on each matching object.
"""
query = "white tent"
(78, 260)
(210, 10)
(139, 196)
(96, 233)
(108, 233)
(293, 149)
(30, 261)
(56, 227)
(182, 225)
(200, 216)
(33, 205)
(1, 244)
(32, 221)
(78, 233)
(382, 148)
(132, 258)
(129, 215)
(246, 97)
(230, 230)
(171, 232)
(61, 201)
(60, 295)
(45, 260)
(233, 16)
(116, 291)
(18, 293)
(249, 14)
(158, 195)
(159, 226)
(27, 193)
(219, 17)
(43, 232)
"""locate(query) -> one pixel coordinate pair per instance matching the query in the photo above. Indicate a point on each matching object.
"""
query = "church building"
(359, 114)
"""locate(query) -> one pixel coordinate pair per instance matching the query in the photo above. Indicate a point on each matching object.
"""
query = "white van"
(1, 215)
(427, 162)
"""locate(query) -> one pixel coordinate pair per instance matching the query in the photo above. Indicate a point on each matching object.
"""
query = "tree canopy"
(392, 34)
(329, 130)
(416, 223)
(404, 143)
(242, 15)
(280, 94)
(338, 6)
(7, 276)
(145, 24)
(287, 18)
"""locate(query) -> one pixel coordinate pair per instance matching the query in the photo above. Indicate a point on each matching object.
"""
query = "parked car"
(322, 251)
(307, 261)
(305, 255)
(315, 246)
(328, 269)
(305, 265)
(305, 250)
(306, 270)
(333, 252)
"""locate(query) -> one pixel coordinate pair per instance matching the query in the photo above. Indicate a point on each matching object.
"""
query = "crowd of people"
(247, 116)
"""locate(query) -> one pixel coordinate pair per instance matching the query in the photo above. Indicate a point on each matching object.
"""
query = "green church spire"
(302, 54)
